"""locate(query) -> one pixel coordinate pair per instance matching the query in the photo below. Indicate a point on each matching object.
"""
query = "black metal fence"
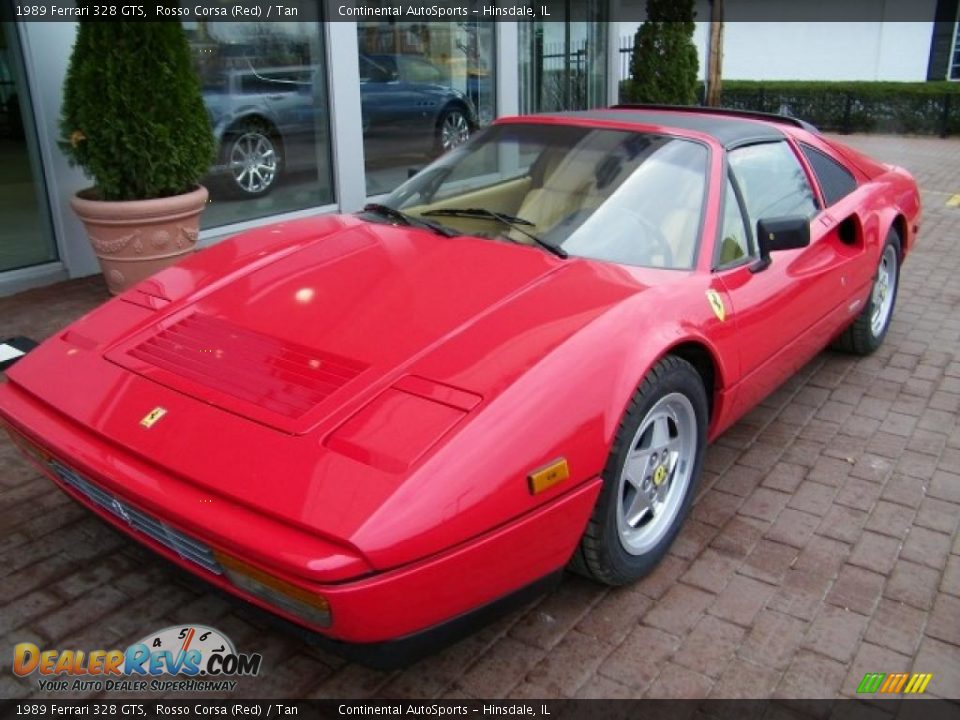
(911, 109)
(563, 76)
(626, 55)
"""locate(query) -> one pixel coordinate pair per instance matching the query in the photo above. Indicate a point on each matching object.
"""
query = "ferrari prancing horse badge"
(716, 304)
(153, 416)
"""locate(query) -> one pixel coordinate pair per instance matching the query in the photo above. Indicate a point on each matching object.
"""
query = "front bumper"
(394, 607)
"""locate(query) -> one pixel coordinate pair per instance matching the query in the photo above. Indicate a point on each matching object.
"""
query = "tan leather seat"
(565, 181)
(566, 188)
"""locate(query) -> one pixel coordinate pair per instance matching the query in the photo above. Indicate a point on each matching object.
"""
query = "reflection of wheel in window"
(453, 128)
(253, 156)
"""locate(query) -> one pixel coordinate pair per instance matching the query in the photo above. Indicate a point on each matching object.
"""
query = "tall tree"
(664, 64)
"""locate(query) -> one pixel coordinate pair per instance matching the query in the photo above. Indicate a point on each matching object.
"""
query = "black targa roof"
(728, 130)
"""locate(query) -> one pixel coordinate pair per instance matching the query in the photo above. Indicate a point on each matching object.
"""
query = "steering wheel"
(648, 239)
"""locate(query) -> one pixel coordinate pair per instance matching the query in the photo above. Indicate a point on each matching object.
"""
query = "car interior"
(624, 197)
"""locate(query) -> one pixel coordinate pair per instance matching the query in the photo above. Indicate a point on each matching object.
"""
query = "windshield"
(626, 197)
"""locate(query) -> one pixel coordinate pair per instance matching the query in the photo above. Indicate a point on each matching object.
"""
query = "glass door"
(25, 233)
(425, 87)
(563, 62)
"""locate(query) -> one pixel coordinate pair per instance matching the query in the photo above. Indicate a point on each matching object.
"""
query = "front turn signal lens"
(286, 596)
(26, 445)
(548, 476)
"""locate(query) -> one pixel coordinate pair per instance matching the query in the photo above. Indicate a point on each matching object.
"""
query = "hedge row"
(928, 108)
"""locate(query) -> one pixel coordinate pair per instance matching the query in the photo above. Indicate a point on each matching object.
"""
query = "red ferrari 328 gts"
(385, 427)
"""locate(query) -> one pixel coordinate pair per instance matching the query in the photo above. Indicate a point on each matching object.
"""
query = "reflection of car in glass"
(480, 92)
(267, 119)
(386, 426)
(405, 101)
(11, 123)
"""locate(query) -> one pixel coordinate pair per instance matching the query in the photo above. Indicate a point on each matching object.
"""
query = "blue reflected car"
(269, 121)
(404, 98)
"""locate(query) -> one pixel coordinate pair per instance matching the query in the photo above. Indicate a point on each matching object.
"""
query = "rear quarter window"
(835, 180)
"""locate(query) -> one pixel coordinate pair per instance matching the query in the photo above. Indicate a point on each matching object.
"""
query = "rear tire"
(650, 477)
(866, 333)
(453, 128)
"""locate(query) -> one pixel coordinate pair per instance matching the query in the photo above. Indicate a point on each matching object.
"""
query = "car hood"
(310, 385)
(291, 342)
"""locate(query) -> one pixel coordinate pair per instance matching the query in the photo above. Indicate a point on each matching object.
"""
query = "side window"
(371, 71)
(772, 182)
(367, 71)
(835, 180)
(416, 70)
(734, 238)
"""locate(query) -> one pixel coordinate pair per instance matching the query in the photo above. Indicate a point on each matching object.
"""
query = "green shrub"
(133, 117)
(664, 65)
(931, 108)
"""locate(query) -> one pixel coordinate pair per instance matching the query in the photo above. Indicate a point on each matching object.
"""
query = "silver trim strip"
(186, 547)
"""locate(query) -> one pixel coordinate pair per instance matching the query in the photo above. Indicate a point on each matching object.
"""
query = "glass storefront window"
(26, 237)
(954, 71)
(563, 63)
(264, 86)
(424, 88)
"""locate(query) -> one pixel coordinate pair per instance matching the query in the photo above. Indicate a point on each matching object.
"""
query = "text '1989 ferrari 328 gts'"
(386, 426)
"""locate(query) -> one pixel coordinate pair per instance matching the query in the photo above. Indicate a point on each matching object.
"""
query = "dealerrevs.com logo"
(205, 658)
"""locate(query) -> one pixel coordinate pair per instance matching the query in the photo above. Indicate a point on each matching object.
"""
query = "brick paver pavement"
(823, 545)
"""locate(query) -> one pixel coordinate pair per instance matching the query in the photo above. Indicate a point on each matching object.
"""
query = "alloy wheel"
(656, 473)
(454, 130)
(884, 291)
(253, 162)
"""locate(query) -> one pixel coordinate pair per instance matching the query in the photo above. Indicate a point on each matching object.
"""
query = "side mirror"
(780, 233)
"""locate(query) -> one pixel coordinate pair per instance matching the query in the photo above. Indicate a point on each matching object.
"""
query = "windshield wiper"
(511, 221)
(480, 212)
(409, 220)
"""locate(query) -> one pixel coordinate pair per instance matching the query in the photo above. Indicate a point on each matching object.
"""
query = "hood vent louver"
(274, 374)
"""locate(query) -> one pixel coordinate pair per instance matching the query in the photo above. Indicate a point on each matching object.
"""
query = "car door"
(423, 83)
(287, 98)
(780, 311)
(387, 102)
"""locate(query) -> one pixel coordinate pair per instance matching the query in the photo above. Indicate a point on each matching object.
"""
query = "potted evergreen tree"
(133, 119)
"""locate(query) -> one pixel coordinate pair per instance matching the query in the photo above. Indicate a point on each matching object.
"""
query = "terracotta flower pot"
(133, 239)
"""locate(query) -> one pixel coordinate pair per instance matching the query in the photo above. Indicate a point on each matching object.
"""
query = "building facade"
(871, 40)
(338, 113)
(333, 113)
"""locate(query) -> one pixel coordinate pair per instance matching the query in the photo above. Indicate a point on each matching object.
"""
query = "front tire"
(650, 477)
(866, 333)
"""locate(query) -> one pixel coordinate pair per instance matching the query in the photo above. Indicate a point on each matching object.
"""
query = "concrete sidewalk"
(825, 546)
